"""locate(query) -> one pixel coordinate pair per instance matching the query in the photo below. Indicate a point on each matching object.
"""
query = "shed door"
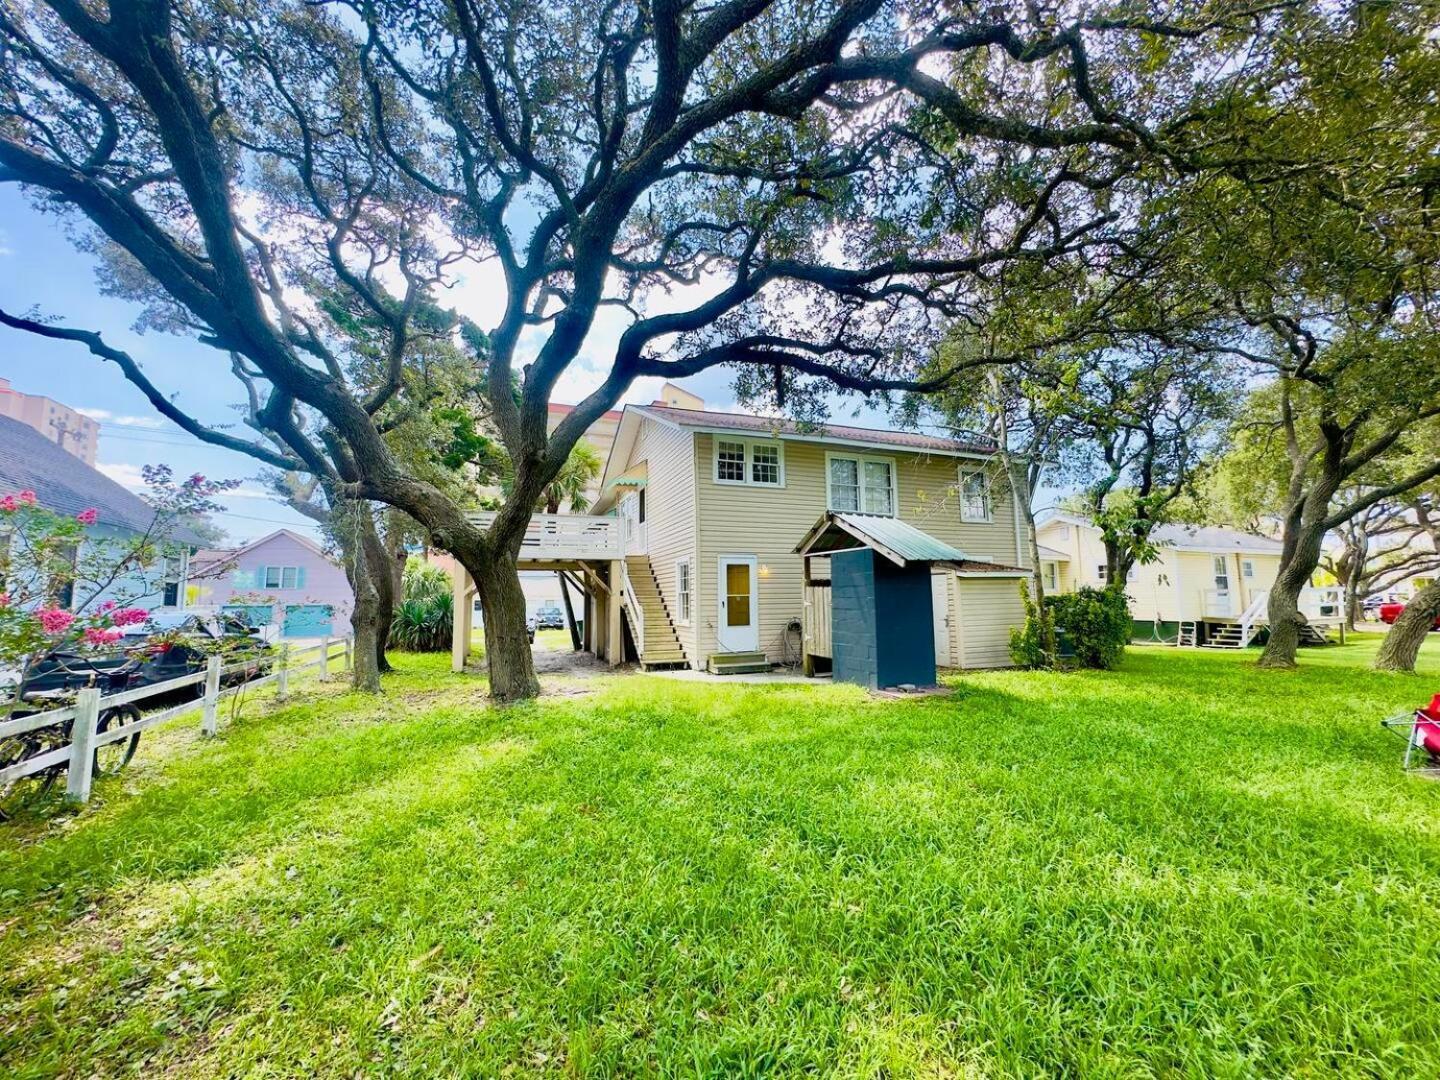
(739, 622)
(940, 607)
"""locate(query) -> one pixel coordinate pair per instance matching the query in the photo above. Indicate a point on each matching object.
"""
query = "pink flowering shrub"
(54, 620)
(50, 556)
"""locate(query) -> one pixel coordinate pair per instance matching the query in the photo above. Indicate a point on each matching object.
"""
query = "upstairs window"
(283, 577)
(765, 464)
(757, 462)
(974, 497)
(1247, 569)
(864, 485)
(729, 462)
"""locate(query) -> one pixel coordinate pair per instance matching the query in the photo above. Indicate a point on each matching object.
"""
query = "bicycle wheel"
(17, 794)
(112, 757)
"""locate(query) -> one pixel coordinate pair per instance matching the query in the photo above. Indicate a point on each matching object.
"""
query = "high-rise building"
(59, 423)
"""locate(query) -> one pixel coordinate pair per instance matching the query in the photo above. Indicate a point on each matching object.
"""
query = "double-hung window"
(683, 596)
(974, 496)
(282, 577)
(860, 484)
(757, 462)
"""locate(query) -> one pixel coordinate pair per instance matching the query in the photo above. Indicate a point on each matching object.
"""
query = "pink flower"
(97, 635)
(88, 516)
(27, 497)
(129, 616)
(196, 479)
(4, 599)
(9, 503)
(55, 621)
(108, 605)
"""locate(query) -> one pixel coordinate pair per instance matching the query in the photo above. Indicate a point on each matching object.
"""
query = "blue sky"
(41, 269)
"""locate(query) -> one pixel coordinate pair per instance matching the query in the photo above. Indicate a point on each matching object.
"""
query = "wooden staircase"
(654, 632)
(1229, 636)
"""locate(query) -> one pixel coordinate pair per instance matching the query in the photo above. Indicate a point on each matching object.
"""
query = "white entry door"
(940, 603)
(739, 623)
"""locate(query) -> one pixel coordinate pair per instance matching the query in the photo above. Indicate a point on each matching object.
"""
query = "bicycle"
(21, 792)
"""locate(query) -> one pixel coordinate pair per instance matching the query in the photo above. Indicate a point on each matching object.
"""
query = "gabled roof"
(1210, 539)
(898, 541)
(299, 539)
(845, 434)
(65, 484)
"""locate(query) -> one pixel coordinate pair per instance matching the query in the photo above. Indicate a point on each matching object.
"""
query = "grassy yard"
(1185, 867)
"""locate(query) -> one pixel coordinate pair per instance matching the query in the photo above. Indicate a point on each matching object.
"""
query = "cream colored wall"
(1083, 545)
(669, 514)
(985, 610)
(736, 519)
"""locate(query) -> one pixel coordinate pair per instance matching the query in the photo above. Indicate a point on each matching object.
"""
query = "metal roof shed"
(879, 608)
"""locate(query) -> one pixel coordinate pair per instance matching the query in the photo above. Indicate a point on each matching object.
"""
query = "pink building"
(283, 578)
(78, 434)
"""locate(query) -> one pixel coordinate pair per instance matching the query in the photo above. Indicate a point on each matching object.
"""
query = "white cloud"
(105, 416)
(127, 476)
(5, 248)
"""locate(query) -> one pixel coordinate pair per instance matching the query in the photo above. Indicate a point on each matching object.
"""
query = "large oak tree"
(816, 185)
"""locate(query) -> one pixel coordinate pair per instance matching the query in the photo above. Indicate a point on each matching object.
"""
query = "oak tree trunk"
(1402, 644)
(1303, 549)
(507, 642)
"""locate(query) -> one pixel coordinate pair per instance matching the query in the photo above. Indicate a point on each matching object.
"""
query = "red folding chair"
(1421, 732)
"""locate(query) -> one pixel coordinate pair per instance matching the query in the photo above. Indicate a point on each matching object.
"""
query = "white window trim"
(1052, 577)
(860, 460)
(970, 519)
(281, 586)
(749, 445)
(683, 616)
(1247, 568)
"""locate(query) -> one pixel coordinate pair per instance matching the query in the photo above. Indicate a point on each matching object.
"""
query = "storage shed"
(874, 612)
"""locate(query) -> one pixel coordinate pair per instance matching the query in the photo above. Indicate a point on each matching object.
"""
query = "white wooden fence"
(79, 755)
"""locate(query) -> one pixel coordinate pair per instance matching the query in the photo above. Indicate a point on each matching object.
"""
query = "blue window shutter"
(300, 577)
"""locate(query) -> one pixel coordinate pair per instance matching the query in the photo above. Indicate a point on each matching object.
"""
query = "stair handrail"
(1251, 616)
(637, 612)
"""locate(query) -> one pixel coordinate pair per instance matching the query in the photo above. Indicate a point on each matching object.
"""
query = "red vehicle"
(1390, 612)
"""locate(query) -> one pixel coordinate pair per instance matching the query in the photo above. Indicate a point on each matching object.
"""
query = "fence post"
(325, 657)
(282, 677)
(208, 725)
(350, 660)
(82, 746)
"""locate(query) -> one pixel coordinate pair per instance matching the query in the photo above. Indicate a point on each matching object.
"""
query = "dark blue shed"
(881, 629)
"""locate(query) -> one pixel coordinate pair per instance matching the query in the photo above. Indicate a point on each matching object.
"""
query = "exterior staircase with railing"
(650, 622)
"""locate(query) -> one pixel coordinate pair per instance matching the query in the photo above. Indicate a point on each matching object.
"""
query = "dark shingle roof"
(64, 483)
(769, 425)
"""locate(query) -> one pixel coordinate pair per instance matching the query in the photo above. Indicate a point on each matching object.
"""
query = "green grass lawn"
(1186, 867)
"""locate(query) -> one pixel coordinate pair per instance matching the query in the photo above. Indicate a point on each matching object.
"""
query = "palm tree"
(568, 488)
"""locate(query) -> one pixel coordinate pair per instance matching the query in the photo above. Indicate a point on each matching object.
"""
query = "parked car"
(186, 640)
(550, 617)
(1390, 612)
(479, 623)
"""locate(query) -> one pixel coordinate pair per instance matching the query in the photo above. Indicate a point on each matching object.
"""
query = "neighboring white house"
(1208, 586)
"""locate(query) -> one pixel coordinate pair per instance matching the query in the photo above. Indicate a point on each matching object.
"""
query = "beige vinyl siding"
(767, 522)
(985, 610)
(669, 515)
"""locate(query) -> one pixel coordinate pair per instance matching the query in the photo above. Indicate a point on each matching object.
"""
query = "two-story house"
(689, 553)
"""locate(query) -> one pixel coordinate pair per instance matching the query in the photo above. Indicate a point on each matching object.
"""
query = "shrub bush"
(423, 618)
(1096, 624)
(1032, 645)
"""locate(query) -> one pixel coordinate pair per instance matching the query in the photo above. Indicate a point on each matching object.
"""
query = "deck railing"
(565, 536)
